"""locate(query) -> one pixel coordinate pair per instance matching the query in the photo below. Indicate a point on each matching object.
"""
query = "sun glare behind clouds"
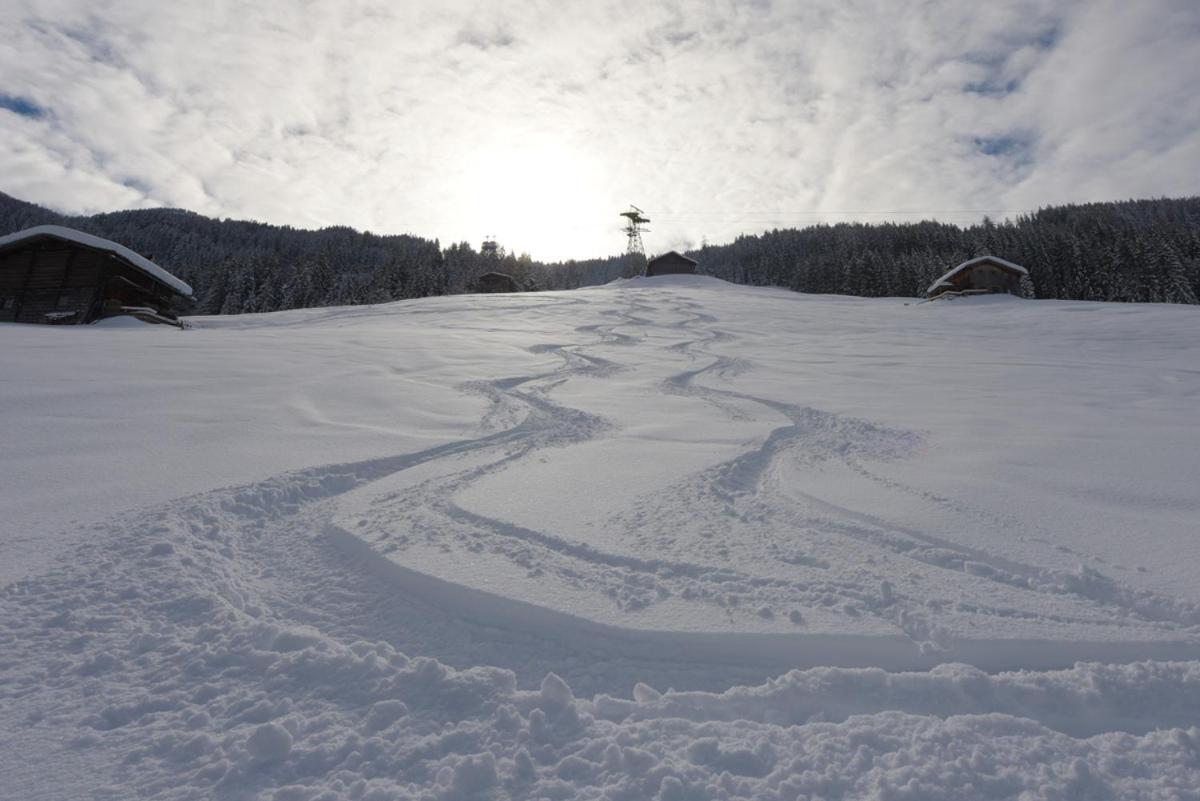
(537, 195)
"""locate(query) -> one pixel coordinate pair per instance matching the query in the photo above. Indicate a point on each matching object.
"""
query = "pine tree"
(213, 299)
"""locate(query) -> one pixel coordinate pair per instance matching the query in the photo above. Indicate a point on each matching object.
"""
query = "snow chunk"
(161, 549)
(555, 692)
(384, 714)
(270, 742)
(643, 693)
(671, 789)
(472, 776)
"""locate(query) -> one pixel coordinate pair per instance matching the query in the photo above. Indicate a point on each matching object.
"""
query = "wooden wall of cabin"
(49, 282)
(994, 279)
(496, 282)
(670, 265)
(130, 287)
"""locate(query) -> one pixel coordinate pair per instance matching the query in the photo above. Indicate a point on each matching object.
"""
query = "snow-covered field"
(668, 538)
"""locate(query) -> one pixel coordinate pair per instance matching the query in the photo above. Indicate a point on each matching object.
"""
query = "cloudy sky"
(540, 121)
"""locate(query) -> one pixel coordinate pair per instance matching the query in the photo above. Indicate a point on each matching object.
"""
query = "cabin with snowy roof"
(53, 274)
(977, 276)
(671, 263)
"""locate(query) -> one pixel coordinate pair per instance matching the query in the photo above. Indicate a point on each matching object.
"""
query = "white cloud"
(539, 121)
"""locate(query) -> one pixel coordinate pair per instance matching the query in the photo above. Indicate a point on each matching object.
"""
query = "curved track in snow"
(422, 528)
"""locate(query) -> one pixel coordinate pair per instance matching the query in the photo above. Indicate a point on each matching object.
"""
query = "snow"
(120, 321)
(270, 742)
(89, 240)
(667, 538)
(1008, 265)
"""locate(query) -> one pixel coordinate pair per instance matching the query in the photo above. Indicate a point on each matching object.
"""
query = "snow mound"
(668, 281)
(119, 321)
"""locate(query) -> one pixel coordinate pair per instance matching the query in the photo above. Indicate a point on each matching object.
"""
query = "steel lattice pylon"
(633, 230)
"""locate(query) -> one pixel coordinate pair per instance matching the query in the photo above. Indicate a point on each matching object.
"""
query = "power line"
(821, 212)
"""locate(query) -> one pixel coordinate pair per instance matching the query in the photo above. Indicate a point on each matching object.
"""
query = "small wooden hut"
(671, 263)
(981, 275)
(52, 274)
(496, 282)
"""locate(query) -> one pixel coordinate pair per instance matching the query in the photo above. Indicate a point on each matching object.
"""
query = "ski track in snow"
(254, 639)
(747, 488)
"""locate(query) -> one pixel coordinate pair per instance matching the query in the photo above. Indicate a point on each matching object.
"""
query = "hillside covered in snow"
(665, 538)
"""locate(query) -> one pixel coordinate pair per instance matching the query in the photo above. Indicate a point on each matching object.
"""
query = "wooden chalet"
(52, 274)
(671, 263)
(496, 282)
(978, 276)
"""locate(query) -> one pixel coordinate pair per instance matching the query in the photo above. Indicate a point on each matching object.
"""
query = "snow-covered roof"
(966, 265)
(88, 240)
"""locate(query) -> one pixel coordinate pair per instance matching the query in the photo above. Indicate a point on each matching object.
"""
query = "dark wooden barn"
(981, 275)
(496, 282)
(52, 274)
(671, 263)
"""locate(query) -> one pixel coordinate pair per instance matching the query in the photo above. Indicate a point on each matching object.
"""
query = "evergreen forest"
(1127, 251)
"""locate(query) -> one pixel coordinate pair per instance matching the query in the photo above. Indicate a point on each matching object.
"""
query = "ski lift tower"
(633, 231)
(490, 247)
